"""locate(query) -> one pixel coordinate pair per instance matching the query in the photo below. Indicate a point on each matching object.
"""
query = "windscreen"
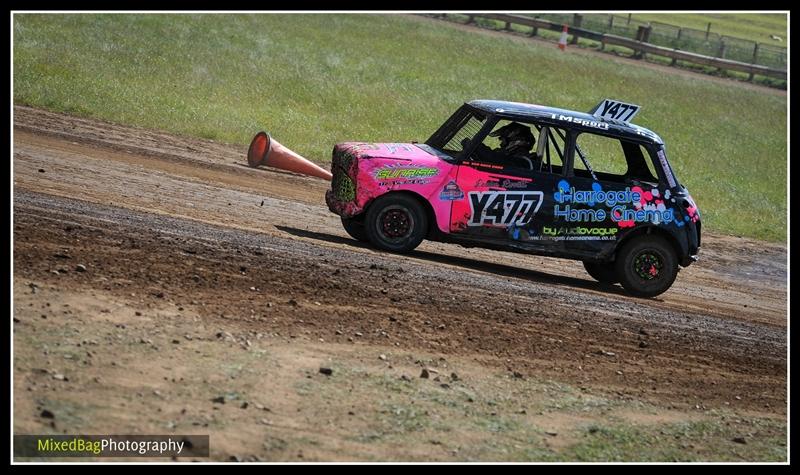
(457, 132)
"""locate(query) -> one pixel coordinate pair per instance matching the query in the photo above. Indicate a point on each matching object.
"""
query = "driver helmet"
(515, 138)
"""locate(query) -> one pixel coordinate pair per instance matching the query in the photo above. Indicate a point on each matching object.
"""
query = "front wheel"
(355, 229)
(396, 223)
(605, 273)
(647, 266)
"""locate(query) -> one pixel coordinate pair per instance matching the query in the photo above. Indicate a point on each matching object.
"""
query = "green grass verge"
(695, 441)
(748, 26)
(314, 80)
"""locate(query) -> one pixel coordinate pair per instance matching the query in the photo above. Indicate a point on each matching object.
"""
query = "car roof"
(522, 110)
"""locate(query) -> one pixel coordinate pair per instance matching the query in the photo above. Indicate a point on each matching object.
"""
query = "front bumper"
(341, 198)
(345, 209)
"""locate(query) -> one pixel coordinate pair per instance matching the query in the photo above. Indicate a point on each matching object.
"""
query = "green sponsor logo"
(390, 173)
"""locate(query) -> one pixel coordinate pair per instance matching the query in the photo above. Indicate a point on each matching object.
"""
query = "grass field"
(314, 80)
(748, 26)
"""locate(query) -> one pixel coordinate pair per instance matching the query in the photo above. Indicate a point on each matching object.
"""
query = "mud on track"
(160, 219)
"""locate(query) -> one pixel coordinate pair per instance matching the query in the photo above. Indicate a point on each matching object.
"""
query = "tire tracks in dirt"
(152, 209)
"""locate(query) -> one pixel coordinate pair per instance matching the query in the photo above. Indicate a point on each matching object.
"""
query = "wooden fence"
(640, 46)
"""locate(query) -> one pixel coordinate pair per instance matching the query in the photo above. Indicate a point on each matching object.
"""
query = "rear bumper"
(693, 243)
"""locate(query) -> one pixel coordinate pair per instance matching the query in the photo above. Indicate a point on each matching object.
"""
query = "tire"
(604, 272)
(355, 228)
(396, 223)
(647, 266)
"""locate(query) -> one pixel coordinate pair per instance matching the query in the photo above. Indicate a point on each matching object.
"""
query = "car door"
(611, 183)
(506, 202)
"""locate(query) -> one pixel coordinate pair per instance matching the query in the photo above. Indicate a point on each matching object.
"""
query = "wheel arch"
(430, 214)
(681, 252)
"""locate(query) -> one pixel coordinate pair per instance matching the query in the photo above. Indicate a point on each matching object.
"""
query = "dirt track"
(162, 222)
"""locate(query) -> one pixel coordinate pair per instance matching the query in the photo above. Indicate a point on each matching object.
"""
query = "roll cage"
(470, 125)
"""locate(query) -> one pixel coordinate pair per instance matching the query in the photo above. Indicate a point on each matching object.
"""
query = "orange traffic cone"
(562, 42)
(264, 150)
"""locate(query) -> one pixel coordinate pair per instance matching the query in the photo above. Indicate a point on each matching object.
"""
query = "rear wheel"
(647, 266)
(396, 223)
(355, 228)
(604, 272)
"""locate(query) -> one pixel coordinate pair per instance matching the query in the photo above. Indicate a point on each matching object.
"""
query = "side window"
(551, 148)
(524, 146)
(611, 159)
(640, 163)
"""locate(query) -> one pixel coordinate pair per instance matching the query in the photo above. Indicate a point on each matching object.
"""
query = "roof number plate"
(615, 110)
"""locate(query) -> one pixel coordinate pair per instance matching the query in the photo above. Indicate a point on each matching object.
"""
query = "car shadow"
(467, 263)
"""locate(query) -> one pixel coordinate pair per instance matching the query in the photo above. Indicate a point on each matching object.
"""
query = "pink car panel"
(375, 169)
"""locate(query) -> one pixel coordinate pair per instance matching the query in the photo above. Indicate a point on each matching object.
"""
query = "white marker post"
(562, 42)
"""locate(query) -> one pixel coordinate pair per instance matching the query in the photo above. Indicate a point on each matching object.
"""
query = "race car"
(527, 178)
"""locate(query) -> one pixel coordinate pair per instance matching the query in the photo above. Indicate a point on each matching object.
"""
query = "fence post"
(708, 30)
(629, 18)
(576, 22)
(721, 51)
(508, 26)
(755, 59)
(534, 31)
(643, 35)
(471, 19)
(639, 32)
(646, 34)
(680, 30)
(610, 21)
(721, 54)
